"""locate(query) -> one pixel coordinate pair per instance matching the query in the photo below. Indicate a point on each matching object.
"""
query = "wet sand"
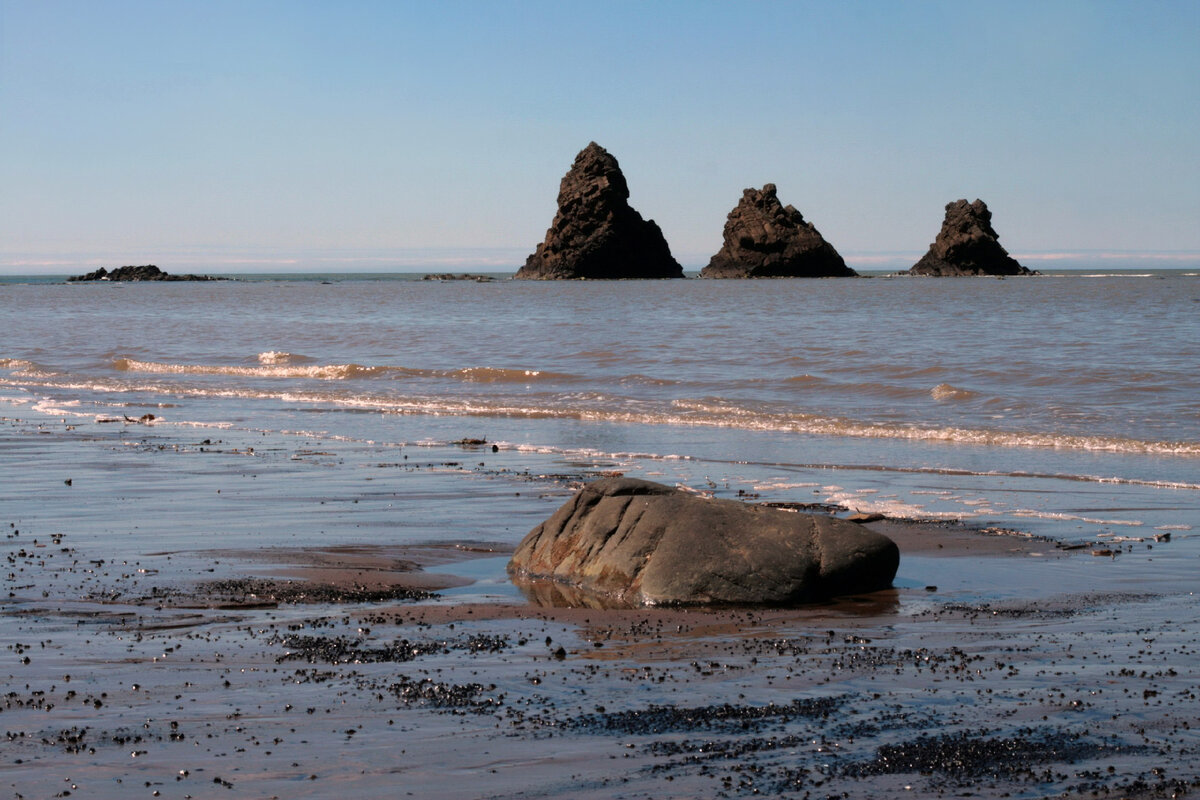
(187, 620)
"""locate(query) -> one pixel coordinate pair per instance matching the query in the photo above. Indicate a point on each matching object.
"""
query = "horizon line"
(499, 259)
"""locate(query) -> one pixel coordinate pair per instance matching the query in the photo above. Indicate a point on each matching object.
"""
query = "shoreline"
(193, 622)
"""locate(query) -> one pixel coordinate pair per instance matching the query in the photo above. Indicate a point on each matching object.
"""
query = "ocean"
(223, 502)
(1066, 404)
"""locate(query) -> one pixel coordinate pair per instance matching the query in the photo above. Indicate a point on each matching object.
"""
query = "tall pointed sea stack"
(764, 239)
(968, 245)
(596, 234)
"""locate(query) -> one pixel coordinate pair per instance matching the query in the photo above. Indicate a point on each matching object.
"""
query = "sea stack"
(967, 245)
(765, 239)
(596, 234)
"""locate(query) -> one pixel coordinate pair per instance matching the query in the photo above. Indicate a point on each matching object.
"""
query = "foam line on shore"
(584, 406)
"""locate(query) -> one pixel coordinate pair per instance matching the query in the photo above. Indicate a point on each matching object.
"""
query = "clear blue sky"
(365, 136)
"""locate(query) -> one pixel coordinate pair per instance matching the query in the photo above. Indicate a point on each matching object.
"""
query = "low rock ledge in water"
(145, 272)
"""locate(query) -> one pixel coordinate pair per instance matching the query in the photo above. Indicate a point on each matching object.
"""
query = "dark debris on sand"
(343, 650)
(258, 592)
(724, 718)
(970, 756)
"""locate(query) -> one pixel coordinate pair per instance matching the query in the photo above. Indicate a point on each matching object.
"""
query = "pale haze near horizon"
(365, 137)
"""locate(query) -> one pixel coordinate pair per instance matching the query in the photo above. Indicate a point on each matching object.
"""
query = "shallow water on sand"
(1066, 404)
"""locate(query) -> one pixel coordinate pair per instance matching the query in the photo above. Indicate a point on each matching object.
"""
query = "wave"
(15, 400)
(805, 380)
(729, 416)
(286, 365)
(15, 363)
(944, 391)
(889, 506)
(1065, 517)
(25, 368)
(1106, 275)
(432, 406)
(280, 357)
(325, 372)
(907, 372)
(498, 375)
(648, 380)
(1023, 474)
(770, 486)
(587, 406)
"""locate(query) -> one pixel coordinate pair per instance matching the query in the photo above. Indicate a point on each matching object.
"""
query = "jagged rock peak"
(595, 175)
(967, 244)
(765, 239)
(596, 234)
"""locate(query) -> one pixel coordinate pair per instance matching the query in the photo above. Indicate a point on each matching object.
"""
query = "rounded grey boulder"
(634, 542)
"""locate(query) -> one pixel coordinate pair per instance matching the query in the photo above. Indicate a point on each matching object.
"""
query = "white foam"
(889, 507)
(1065, 517)
(16, 364)
(782, 485)
(68, 408)
(327, 372)
(582, 406)
(275, 357)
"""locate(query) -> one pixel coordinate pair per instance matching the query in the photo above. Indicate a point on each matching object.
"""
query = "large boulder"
(596, 234)
(632, 542)
(967, 244)
(765, 239)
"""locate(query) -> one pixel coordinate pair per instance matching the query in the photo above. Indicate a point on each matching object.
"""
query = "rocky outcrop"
(596, 234)
(147, 272)
(628, 542)
(452, 276)
(764, 239)
(968, 245)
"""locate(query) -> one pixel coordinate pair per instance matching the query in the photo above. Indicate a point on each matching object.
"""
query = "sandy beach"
(304, 652)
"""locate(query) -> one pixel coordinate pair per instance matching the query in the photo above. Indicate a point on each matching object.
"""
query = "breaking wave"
(286, 365)
(540, 394)
(324, 372)
(944, 391)
(280, 357)
(495, 375)
(24, 368)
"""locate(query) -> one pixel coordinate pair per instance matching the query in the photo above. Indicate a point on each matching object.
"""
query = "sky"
(367, 136)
